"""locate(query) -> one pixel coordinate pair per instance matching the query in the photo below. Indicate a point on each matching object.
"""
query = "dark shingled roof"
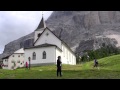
(41, 25)
(42, 45)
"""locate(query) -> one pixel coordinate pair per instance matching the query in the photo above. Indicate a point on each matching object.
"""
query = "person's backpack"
(96, 62)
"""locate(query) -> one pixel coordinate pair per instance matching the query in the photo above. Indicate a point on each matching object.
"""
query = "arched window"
(70, 56)
(63, 51)
(44, 55)
(39, 35)
(66, 54)
(34, 56)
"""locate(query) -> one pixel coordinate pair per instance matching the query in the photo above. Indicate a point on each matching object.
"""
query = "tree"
(105, 51)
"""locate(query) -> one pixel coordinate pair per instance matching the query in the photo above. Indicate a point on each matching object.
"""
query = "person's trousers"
(59, 71)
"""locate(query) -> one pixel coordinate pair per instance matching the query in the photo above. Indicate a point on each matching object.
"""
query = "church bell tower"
(40, 29)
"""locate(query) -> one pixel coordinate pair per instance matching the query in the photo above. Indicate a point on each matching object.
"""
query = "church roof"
(41, 24)
(43, 45)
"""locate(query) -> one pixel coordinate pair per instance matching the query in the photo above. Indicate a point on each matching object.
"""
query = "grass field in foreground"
(109, 68)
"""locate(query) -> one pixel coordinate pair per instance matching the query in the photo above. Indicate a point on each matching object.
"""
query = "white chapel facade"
(47, 47)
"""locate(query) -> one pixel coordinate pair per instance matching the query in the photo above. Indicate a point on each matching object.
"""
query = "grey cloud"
(15, 24)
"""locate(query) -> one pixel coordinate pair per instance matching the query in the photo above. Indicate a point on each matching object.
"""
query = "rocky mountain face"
(11, 47)
(81, 30)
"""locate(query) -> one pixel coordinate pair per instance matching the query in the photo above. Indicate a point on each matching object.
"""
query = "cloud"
(15, 24)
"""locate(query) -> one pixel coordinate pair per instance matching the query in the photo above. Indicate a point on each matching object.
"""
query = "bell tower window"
(39, 35)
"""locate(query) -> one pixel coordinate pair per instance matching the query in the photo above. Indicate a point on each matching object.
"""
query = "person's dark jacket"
(58, 63)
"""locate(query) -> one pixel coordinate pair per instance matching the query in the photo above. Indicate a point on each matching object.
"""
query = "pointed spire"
(41, 24)
(42, 13)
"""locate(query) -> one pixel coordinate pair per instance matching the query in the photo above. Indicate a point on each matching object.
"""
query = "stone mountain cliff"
(84, 30)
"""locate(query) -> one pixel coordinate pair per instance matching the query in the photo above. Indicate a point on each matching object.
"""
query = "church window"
(63, 51)
(39, 35)
(13, 55)
(70, 56)
(44, 55)
(67, 53)
(34, 56)
(18, 55)
(47, 34)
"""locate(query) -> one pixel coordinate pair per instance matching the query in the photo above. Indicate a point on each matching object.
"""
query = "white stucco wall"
(67, 56)
(64, 55)
(5, 63)
(50, 39)
(58, 53)
(50, 52)
(16, 58)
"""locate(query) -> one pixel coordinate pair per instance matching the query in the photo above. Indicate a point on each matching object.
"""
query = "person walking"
(59, 65)
(95, 62)
(26, 65)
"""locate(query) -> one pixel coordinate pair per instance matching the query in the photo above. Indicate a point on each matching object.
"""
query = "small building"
(1, 61)
(14, 61)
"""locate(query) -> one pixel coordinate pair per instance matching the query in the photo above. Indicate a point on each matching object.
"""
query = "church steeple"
(42, 24)
(39, 29)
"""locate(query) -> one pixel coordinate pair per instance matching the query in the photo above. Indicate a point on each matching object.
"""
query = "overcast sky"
(15, 24)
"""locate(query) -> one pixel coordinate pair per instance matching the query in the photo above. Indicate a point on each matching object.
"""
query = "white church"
(47, 47)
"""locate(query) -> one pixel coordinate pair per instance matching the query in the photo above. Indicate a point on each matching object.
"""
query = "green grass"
(109, 68)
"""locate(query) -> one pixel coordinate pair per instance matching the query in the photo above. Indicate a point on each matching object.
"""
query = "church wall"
(58, 53)
(67, 56)
(65, 59)
(51, 39)
(50, 55)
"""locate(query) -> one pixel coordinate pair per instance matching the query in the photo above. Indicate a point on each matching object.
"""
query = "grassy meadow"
(109, 68)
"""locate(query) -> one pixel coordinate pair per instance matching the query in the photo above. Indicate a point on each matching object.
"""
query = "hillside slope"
(109, 68)
(107, 63)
